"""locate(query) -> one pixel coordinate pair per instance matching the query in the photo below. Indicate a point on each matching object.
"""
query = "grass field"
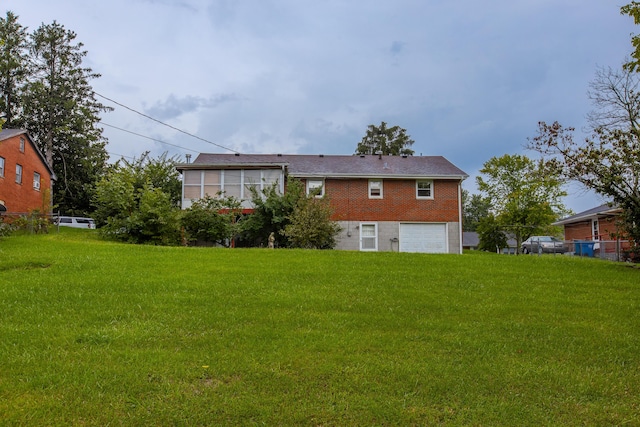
(99, 333)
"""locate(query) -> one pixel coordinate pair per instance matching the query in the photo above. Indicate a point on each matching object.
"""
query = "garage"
(425, 238)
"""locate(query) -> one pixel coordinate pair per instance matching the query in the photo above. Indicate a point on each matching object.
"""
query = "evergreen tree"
(61, 113)
(392, 141)
(13, 67)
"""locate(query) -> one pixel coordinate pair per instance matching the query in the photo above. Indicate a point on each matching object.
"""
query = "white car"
(75, 222)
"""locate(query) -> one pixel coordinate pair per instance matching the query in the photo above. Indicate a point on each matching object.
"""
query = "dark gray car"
(548, 244)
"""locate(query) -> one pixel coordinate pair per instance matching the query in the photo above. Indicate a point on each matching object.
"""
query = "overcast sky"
(468, 79)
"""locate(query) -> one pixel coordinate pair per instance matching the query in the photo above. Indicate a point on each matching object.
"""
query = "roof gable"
(11, 133)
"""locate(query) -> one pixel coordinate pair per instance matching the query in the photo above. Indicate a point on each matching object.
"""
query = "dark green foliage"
(212, 220)
(492, 238)
(271, 214)
(13, 67)
(392, 141)
(45, 89)
(311, 226)
(137, 202)
(475, 208)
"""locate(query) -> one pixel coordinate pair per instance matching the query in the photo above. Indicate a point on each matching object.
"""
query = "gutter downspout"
(460, 214)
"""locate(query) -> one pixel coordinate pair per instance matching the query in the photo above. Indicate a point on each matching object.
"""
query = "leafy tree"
(389, 141)
(212, 220)
(475, 208)
(311, 226)
(61, 113)
(608, 162)
(271, 213)
(13, 67)
(492, 237)
(633, 10)
(525, 195)
(135, 201)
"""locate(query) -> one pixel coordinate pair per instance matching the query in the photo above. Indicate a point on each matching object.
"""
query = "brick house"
(599, 223)
(382, 203)
(599, 226)
(25, 176)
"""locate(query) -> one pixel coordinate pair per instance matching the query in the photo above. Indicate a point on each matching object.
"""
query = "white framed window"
(22, 145)
(424, 189)
(368, 236)
(1, 167)
(375, 189)
(315, 186)
(36, 181)
(595, 230)
(19, 174)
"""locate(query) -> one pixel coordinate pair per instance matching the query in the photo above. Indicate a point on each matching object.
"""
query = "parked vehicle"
(75, 222)
(544, 244)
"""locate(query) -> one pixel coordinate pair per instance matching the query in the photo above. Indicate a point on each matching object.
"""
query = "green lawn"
(100, 333)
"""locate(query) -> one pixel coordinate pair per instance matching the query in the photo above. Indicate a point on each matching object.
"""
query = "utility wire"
(165, 124)
(147, 137)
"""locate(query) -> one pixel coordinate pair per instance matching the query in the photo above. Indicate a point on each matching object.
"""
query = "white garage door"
(427, 238)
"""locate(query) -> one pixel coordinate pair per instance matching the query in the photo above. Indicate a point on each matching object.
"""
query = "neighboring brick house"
(382, 203)
(25, 176)
(598, 223)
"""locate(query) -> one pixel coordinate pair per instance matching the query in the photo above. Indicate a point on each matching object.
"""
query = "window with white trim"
(19, 174)
(36, 181)
(233, 182)
(595, 233)
(22, 145)
(316, 187)
(375, 189)
(424, 189)
(369, 236)
(1, 167)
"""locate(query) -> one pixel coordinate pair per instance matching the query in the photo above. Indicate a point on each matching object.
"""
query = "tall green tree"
(13, 67)
(474, 209)
(526, 195)
(392, 141)
(61, 113)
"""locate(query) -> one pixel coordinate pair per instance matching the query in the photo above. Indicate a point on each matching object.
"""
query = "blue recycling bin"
(584, 248)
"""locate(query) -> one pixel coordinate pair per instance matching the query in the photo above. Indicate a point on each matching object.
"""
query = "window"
(19, 174)
(375, 189)
(424, 189)
(1, 167)
(233, 183)
(212, 183)
(594, 226)
(316, 187)
(36, 181)
(22, 145)
(192, 189)
(369, 237)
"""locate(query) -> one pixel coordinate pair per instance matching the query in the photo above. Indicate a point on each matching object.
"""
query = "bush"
(212, 220)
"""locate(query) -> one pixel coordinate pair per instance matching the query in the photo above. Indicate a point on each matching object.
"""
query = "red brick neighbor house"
(382, 203)
(598, 225)
(25, 176)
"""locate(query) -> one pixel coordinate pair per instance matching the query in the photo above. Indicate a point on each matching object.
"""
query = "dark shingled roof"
(599, 211)
(300, 165)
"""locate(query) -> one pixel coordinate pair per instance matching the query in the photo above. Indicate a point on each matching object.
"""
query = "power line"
(147, 137)
(165, 124)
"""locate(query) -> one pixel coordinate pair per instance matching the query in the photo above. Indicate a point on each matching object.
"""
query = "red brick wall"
(583, 230)
(23, 197)
(350, 200)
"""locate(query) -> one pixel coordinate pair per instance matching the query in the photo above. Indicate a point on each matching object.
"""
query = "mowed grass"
(100, 333)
